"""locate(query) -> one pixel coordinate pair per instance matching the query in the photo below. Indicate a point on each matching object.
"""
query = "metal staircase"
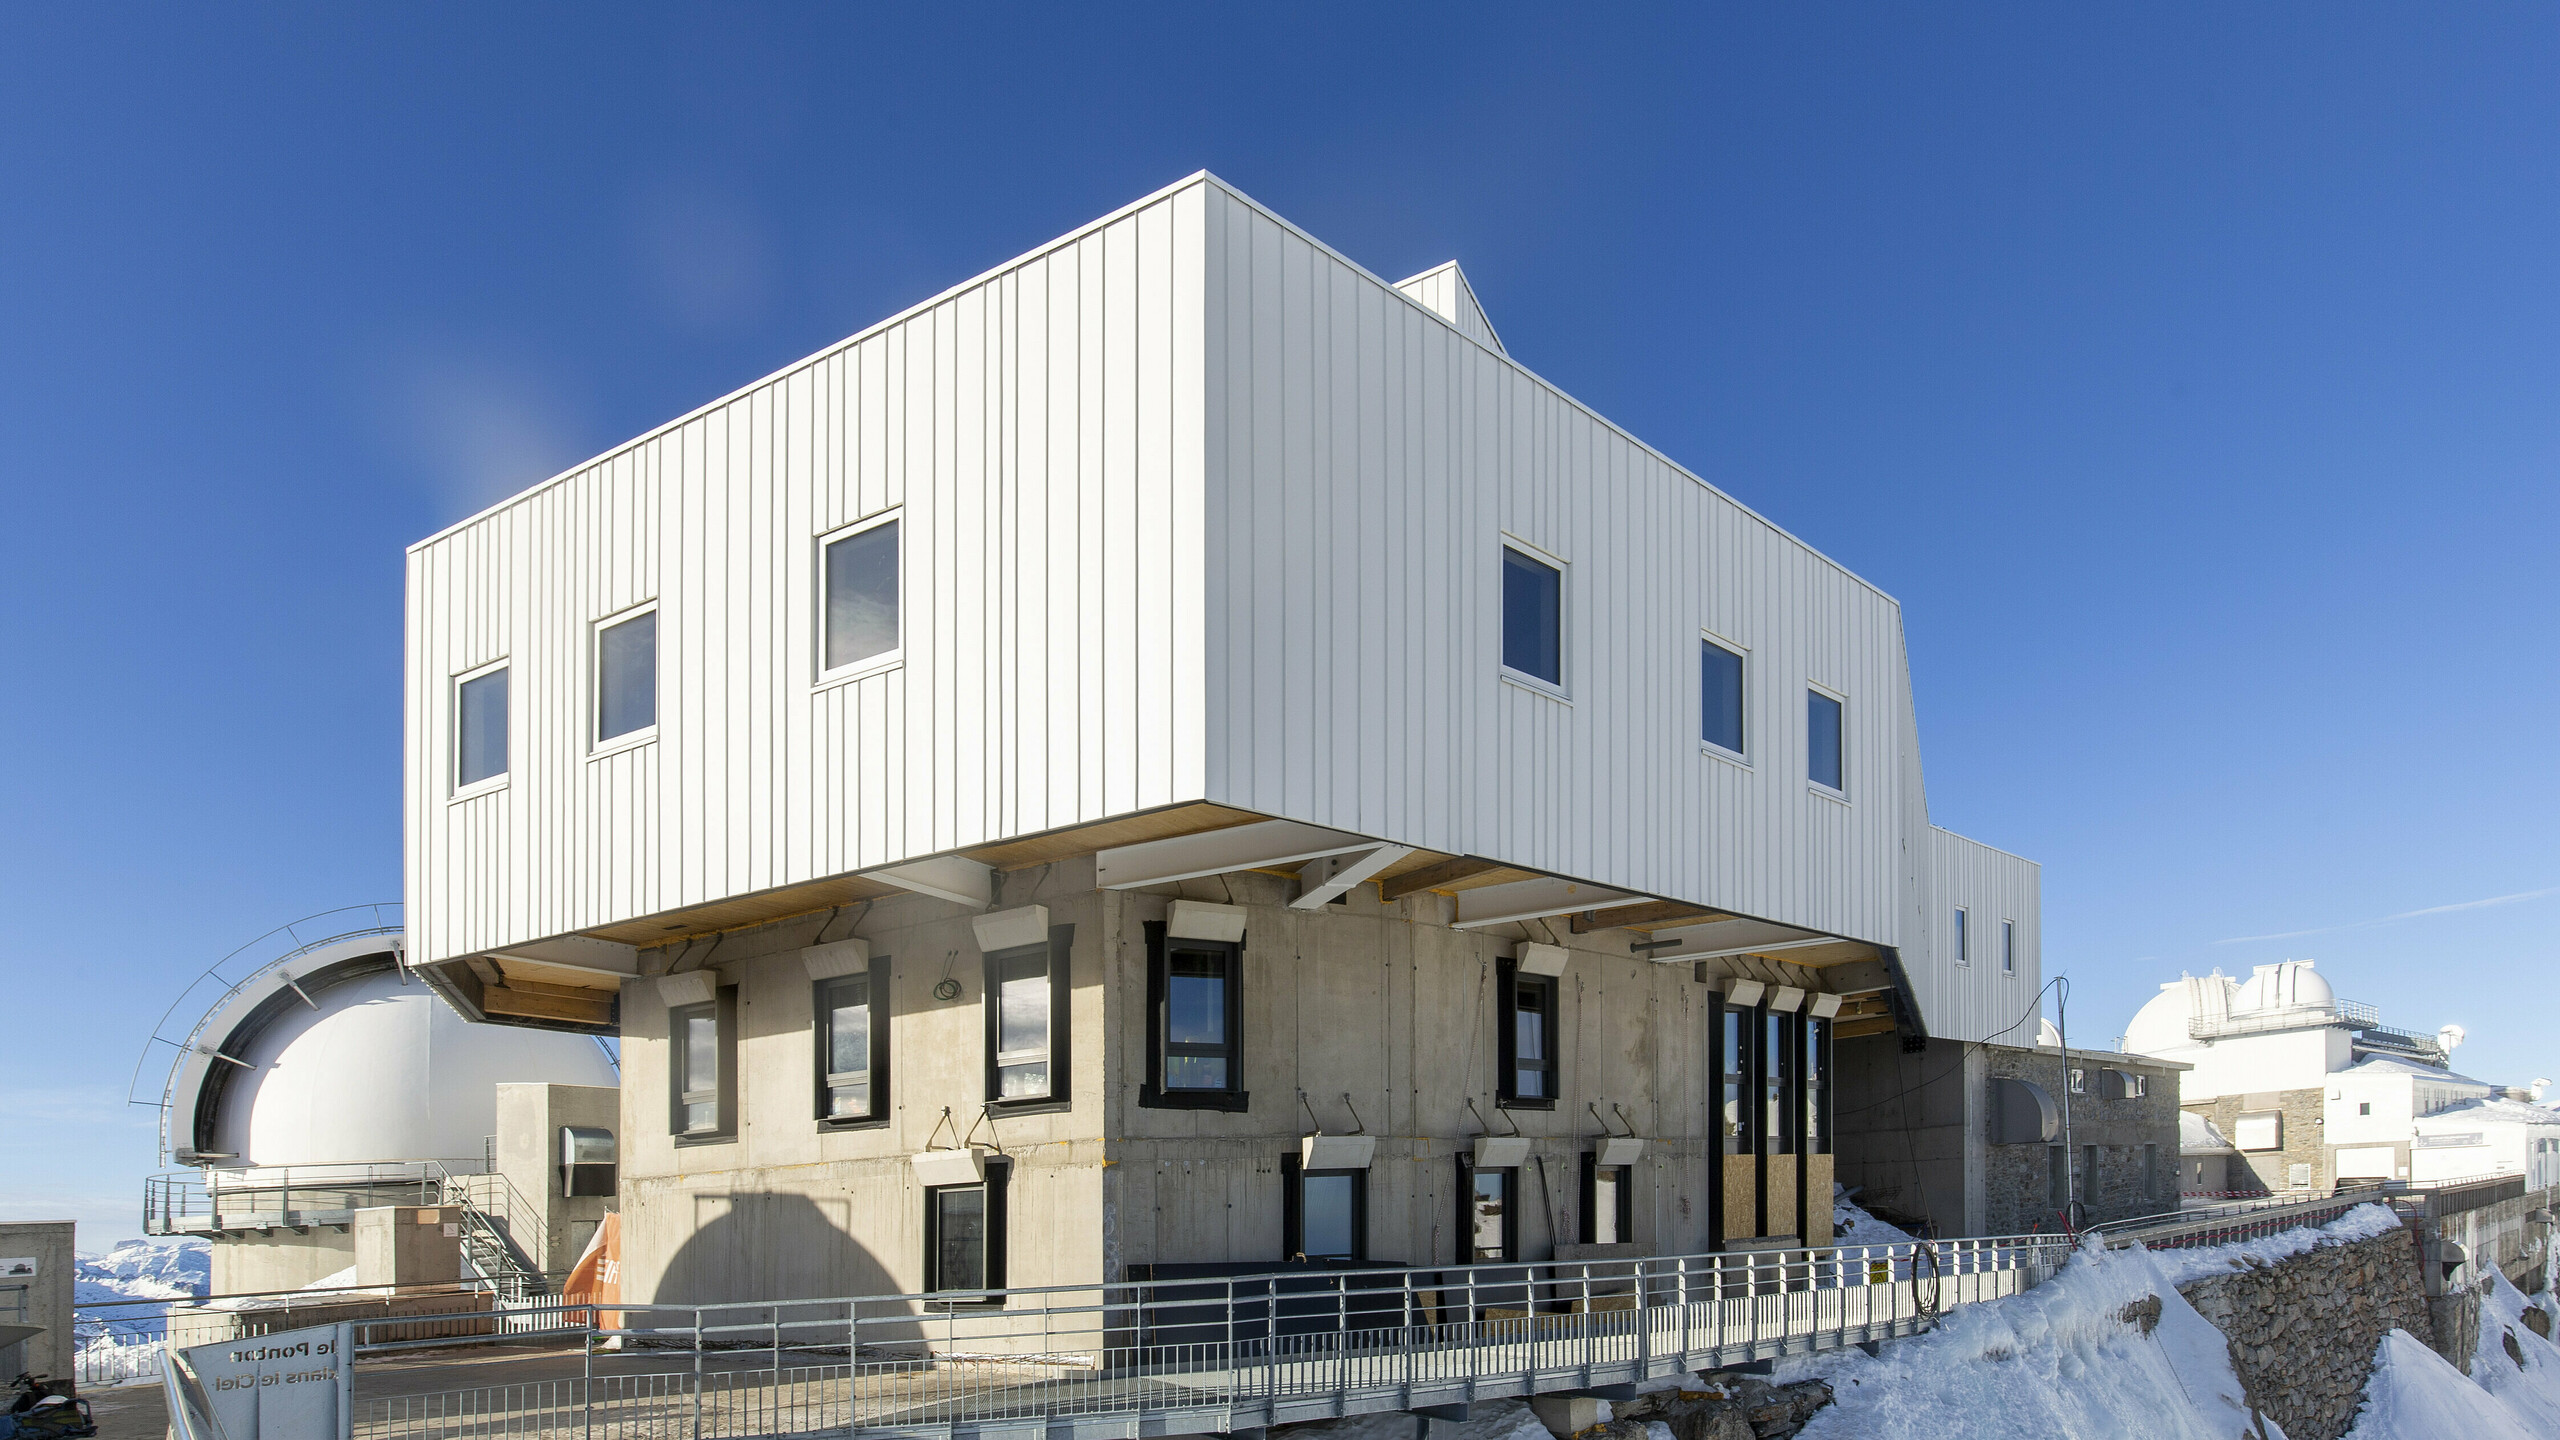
(492, 1214)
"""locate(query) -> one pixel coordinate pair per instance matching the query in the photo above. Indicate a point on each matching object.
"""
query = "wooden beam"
(1433, 877)
(1651, 912)
(526, 1005)
(522, 986)
(1852, 1029)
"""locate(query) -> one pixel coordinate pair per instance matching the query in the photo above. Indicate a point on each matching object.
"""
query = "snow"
(2059, 1360)
(2416, 1394)
(2364, 1222)
(2528, 1388)
(1853, 1226)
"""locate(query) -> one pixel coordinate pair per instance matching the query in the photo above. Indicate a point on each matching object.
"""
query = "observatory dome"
(348, 1061)
(2161, 1024)
(2285, 985)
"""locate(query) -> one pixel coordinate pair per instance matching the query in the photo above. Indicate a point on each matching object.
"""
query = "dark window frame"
(1820, 1086)
(723, 1006)
(1467, 1214)
(998, 1179)
(876, 996)
(1293, 1213)
(1781, 1079)
(1736, 1030)
(1625, 1207)
(1059, 948)
(1506, 1038)
(1153, 1093)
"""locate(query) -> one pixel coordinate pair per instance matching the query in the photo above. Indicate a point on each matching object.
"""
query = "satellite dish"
(2450, 1036)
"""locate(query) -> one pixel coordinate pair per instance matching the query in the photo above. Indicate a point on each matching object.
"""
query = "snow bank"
(2518, 1368)
(2185, 1267)
(2416, 1394)
(2068, 1358)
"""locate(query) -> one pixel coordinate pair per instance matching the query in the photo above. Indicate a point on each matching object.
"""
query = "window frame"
(1153, 1093)
(1623, 1209)
(456, 788)
(1506, 1038)
(1733, 1042)
(1559, 688)
(991, 1257)
(1057, 949)
(889, 659)
(1466, 1231)
(1825, 789)
(598, 746)
(723, 1009)
(876, 997)
(1742, 659)
(1293, 1213)
(2008, 946)
(1963, 926)
(1817, 1081)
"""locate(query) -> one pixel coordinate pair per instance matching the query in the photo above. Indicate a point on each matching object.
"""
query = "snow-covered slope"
(2416, 1394)
(140, 1270)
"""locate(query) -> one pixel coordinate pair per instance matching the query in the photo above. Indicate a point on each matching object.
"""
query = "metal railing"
(494, 1214)
(2202, 1225)
(2342, 1014)
(1187, 1355)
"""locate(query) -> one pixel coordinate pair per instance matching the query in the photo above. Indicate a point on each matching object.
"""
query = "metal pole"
(587, 1379)
(2071, 1211)
(697, 1373)
(346, 1380)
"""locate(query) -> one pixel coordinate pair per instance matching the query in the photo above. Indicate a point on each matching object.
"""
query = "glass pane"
(1734, 1037)
(1492, 1196)
(1326, 1217)
(1532, 617)
(848, 1035)
(1018, 1082)
(1022, 1003)
(627, 677)
(1196, 999)
(960, 1238)
(699, 1118)
(1604, 1205)
(1530, 1023)
(1956, 940)
(2008, 947)
(1195, 1072)
(1773, 1119)
(1822, 739)
(862, 595)
(1720, 695)
(481, 729)
(701, 1052)
(852, 1100)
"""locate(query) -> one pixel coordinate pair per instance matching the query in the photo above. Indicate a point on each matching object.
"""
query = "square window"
(1959, 945)
(627, 676)
(1532, 617)
(1720, 696)
(1327, 1213)
(480, 728)
(860, 623)
(2364, 1107)
(1822, 740)
(1526, 1039)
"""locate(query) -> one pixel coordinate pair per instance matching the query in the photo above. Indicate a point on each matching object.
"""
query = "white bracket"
(1265, 845)
(945, 877)
(1529, 900)
(1327, 876)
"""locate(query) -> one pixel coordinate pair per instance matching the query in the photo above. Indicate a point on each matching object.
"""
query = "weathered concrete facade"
(1378, 1014)
(41, 1295)
(1924, 1148)
(548, 1227)
(255, 1262)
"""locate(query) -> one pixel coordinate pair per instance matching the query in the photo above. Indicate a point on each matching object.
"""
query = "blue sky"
(2188, 375)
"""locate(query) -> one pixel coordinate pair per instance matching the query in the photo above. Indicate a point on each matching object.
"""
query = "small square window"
(1532, 617)
(2364, 1107)
(1822, 740)
(1720, 696)
(860, 619)
(480, 728)
(1325, 1214)
(627, 676)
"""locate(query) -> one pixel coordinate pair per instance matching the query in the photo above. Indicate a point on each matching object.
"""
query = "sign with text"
(286, 1386)
(17, 1267)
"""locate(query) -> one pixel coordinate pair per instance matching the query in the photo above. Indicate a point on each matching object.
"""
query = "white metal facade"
(1193, 509)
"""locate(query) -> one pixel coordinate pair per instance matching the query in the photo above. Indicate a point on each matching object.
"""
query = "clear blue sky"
(2191, 376)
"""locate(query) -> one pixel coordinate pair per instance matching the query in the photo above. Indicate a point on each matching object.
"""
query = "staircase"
(493, 1213)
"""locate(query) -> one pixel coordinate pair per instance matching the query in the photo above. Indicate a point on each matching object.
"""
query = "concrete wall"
(2305, 1139)
(791, 1207)
(45, 1300)
(550, 1228)
(408, 1245)
(251, 1264)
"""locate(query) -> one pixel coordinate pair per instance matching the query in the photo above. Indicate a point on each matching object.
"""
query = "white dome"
(340, 1059)
(2160, 1025)
(2285, 985)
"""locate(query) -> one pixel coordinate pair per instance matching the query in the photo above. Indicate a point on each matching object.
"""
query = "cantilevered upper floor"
(1178, 525)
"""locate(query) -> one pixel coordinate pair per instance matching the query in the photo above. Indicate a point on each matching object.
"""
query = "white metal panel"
(1365, 463)
(1037, 432)
(1978, 1001)
(1445, 289)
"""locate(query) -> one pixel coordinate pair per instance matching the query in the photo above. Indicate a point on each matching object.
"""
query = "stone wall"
(2125, 1183)
(2303, 1330)
(2305, 1139)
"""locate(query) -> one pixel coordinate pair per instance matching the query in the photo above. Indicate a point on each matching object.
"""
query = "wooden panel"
(1741, 1196)
(1780, 1176)
(1817, 1200)
(543, 1005)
